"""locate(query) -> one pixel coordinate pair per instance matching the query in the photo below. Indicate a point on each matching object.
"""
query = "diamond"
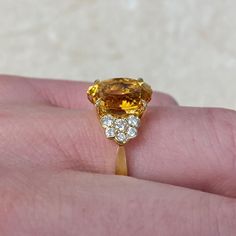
(107, 121)
(121, 137)
(110, 132)
(120, 124)
(132, 132)
(133, 121)
(98, 102)
(144, 104)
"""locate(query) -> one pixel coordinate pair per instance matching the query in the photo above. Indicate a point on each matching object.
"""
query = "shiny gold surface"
(120, 103)
(121, 162)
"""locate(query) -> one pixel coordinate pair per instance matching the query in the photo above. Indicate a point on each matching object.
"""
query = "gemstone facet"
(132, 132)
(110, 132)
(121, 137)
(120, 124)
(133, 121)
(107, 121)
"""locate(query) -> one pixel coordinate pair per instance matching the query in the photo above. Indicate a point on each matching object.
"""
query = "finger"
(72, 94)
(73, 203)
(189, 147)
(66, 94)
(20, 90)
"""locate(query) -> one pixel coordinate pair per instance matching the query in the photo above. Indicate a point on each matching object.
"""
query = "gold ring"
(120, 104)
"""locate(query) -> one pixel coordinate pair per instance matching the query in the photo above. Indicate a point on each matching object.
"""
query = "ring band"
(120, 104)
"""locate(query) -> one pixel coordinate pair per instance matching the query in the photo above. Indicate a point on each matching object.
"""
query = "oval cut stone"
(120, 97)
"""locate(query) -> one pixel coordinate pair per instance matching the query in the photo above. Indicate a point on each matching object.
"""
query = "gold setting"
(120, 103)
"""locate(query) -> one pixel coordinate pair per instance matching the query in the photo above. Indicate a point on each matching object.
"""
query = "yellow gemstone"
(120, 96)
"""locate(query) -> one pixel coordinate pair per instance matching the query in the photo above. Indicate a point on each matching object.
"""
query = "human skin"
(57, 167)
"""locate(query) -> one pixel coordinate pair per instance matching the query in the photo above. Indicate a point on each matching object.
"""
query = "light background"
(186, 48)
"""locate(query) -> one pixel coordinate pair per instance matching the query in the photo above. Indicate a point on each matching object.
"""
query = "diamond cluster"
(120, 129)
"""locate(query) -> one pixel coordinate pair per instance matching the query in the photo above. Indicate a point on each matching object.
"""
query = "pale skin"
(57, 167)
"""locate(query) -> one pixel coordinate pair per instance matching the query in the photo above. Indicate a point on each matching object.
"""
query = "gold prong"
(96, 81)
(144, 103)
(140, 81)
(97, 103)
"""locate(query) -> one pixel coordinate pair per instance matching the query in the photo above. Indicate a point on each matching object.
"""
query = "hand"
(183, 161)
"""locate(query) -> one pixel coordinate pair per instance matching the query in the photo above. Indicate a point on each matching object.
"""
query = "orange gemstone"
(120, 96)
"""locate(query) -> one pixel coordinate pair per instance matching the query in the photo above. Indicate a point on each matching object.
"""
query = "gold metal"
(96, 81)
(121, 162)
(120, 104)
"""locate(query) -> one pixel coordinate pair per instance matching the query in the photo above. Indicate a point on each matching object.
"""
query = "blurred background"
(186, 48)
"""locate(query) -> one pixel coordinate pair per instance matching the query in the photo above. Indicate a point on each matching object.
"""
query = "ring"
(120, 103)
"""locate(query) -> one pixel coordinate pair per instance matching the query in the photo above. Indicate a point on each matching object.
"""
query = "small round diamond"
(107, 121)
(132, 132)
(120, 124)
(110, 132)
(121, 137)
(133, 121)
(97, 103)
(144, 104)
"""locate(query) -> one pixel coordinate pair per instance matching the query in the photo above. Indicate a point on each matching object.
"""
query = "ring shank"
(121, 162)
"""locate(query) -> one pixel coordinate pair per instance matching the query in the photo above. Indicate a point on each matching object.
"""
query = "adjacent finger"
(20, 90)
(72, 94)
(74, 203)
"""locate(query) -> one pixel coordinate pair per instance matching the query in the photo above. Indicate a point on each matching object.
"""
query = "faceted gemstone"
(92, 93)
(110, 132)
(120, 96)
(121, 137)
(107, 121)
(132, 132)
(120, 124)
(133, 121)
(97, 103)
